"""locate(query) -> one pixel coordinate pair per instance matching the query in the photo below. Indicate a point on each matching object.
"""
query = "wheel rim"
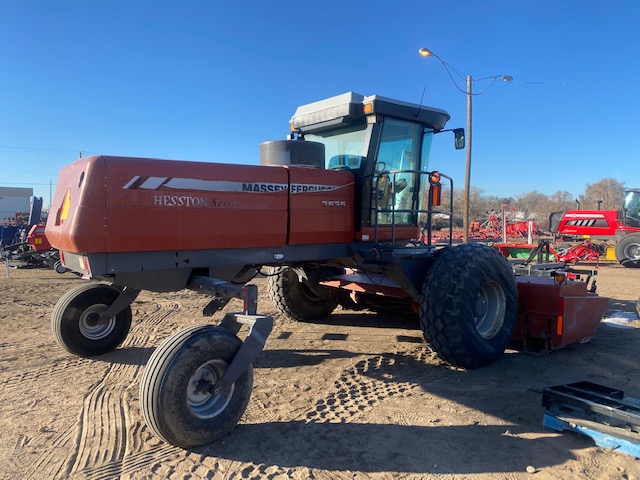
(202, 402)
(632, 252)
(489, 310)
(92, 326)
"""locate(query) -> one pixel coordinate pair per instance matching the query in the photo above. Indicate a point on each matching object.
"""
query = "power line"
(609, 83)
(25, 183)
(36, 149)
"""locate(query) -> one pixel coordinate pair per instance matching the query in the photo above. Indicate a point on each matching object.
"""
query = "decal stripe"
(153, 183)
(163, 183)
(135, 183)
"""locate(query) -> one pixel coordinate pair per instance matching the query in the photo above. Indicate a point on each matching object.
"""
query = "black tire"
(172, 406)
(628, 250)
(76, 325)
(59, 268)
(295, 299)
(469, 305)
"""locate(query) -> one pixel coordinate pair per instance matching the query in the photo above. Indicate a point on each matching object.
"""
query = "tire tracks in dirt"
(355, 391)
(107, 439)
(62, 369)
(7, 454)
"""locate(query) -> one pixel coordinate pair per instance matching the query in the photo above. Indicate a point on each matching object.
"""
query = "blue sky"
(204, 80)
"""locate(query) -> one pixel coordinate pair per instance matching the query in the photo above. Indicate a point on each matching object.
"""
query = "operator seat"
(403, 186)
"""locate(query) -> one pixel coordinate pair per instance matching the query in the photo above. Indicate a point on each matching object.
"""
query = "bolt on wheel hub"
(203, 401)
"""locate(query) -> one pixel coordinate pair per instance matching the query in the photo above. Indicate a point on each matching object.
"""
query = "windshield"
(344, 148)
(631, 200)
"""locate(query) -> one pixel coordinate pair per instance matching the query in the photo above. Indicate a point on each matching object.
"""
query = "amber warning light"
(435, 192)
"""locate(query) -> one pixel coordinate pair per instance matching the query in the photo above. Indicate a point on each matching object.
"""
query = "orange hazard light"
(560, 324)
(436, 195)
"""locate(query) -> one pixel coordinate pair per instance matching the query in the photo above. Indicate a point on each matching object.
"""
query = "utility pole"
(467, 175)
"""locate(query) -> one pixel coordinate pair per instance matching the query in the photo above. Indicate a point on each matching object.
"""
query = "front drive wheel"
(77, 325)
(296, 299)
(176, 397)
(469, 305)
(628, 250)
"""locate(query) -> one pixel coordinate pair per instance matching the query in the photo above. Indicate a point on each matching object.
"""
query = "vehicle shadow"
(501, 402)
(381, 319)
(617, 304)
(128, 356)
(372, 448)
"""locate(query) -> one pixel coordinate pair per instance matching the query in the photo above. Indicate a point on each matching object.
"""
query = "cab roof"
(352, 108)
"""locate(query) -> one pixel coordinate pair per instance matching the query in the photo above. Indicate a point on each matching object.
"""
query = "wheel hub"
(489, 310)
(93, 326)
(632, 252)
(203, 401)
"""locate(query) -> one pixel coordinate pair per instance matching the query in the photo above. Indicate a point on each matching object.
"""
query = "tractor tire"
(469, 305)
(175, 397)
(295, 299)
(628, 250)
(76, 325)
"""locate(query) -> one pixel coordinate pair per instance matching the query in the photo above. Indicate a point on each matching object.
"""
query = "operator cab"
(386, 144)
(631, 208)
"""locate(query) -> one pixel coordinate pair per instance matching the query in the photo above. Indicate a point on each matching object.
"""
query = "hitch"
(260, 325)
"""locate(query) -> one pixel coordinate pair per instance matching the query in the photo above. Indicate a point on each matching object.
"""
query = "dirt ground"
(358, 396)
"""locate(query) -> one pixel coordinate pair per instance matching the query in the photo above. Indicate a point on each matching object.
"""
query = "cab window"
(394, 185)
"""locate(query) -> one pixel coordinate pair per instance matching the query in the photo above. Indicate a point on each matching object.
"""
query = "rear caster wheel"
(177, 398)
(76, 322)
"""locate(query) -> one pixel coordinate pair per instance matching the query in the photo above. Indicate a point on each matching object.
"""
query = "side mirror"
(459, 138)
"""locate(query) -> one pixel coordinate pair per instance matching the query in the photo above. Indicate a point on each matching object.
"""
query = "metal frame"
(590, 401)
(260, 325)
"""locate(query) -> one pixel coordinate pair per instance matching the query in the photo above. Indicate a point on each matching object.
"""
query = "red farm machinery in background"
(23, 243)
(621, 226)
(339, 214)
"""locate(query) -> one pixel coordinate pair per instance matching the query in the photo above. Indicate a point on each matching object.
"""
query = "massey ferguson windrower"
(338, 214)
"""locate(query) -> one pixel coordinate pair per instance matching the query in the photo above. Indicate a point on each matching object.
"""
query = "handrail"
(392, 175)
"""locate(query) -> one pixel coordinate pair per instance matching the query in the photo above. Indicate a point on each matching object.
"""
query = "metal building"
(14, 200)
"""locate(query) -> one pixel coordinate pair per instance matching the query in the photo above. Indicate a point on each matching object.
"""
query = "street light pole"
(425, 52)
(467, 173)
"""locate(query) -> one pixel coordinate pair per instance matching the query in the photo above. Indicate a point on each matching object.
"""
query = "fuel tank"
(106, 204)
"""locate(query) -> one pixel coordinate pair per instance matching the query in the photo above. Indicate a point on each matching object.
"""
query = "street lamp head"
(425, 52)
(506, 78)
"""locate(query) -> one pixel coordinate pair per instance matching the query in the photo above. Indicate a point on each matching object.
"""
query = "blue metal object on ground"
(612, 441)
(597, 411)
